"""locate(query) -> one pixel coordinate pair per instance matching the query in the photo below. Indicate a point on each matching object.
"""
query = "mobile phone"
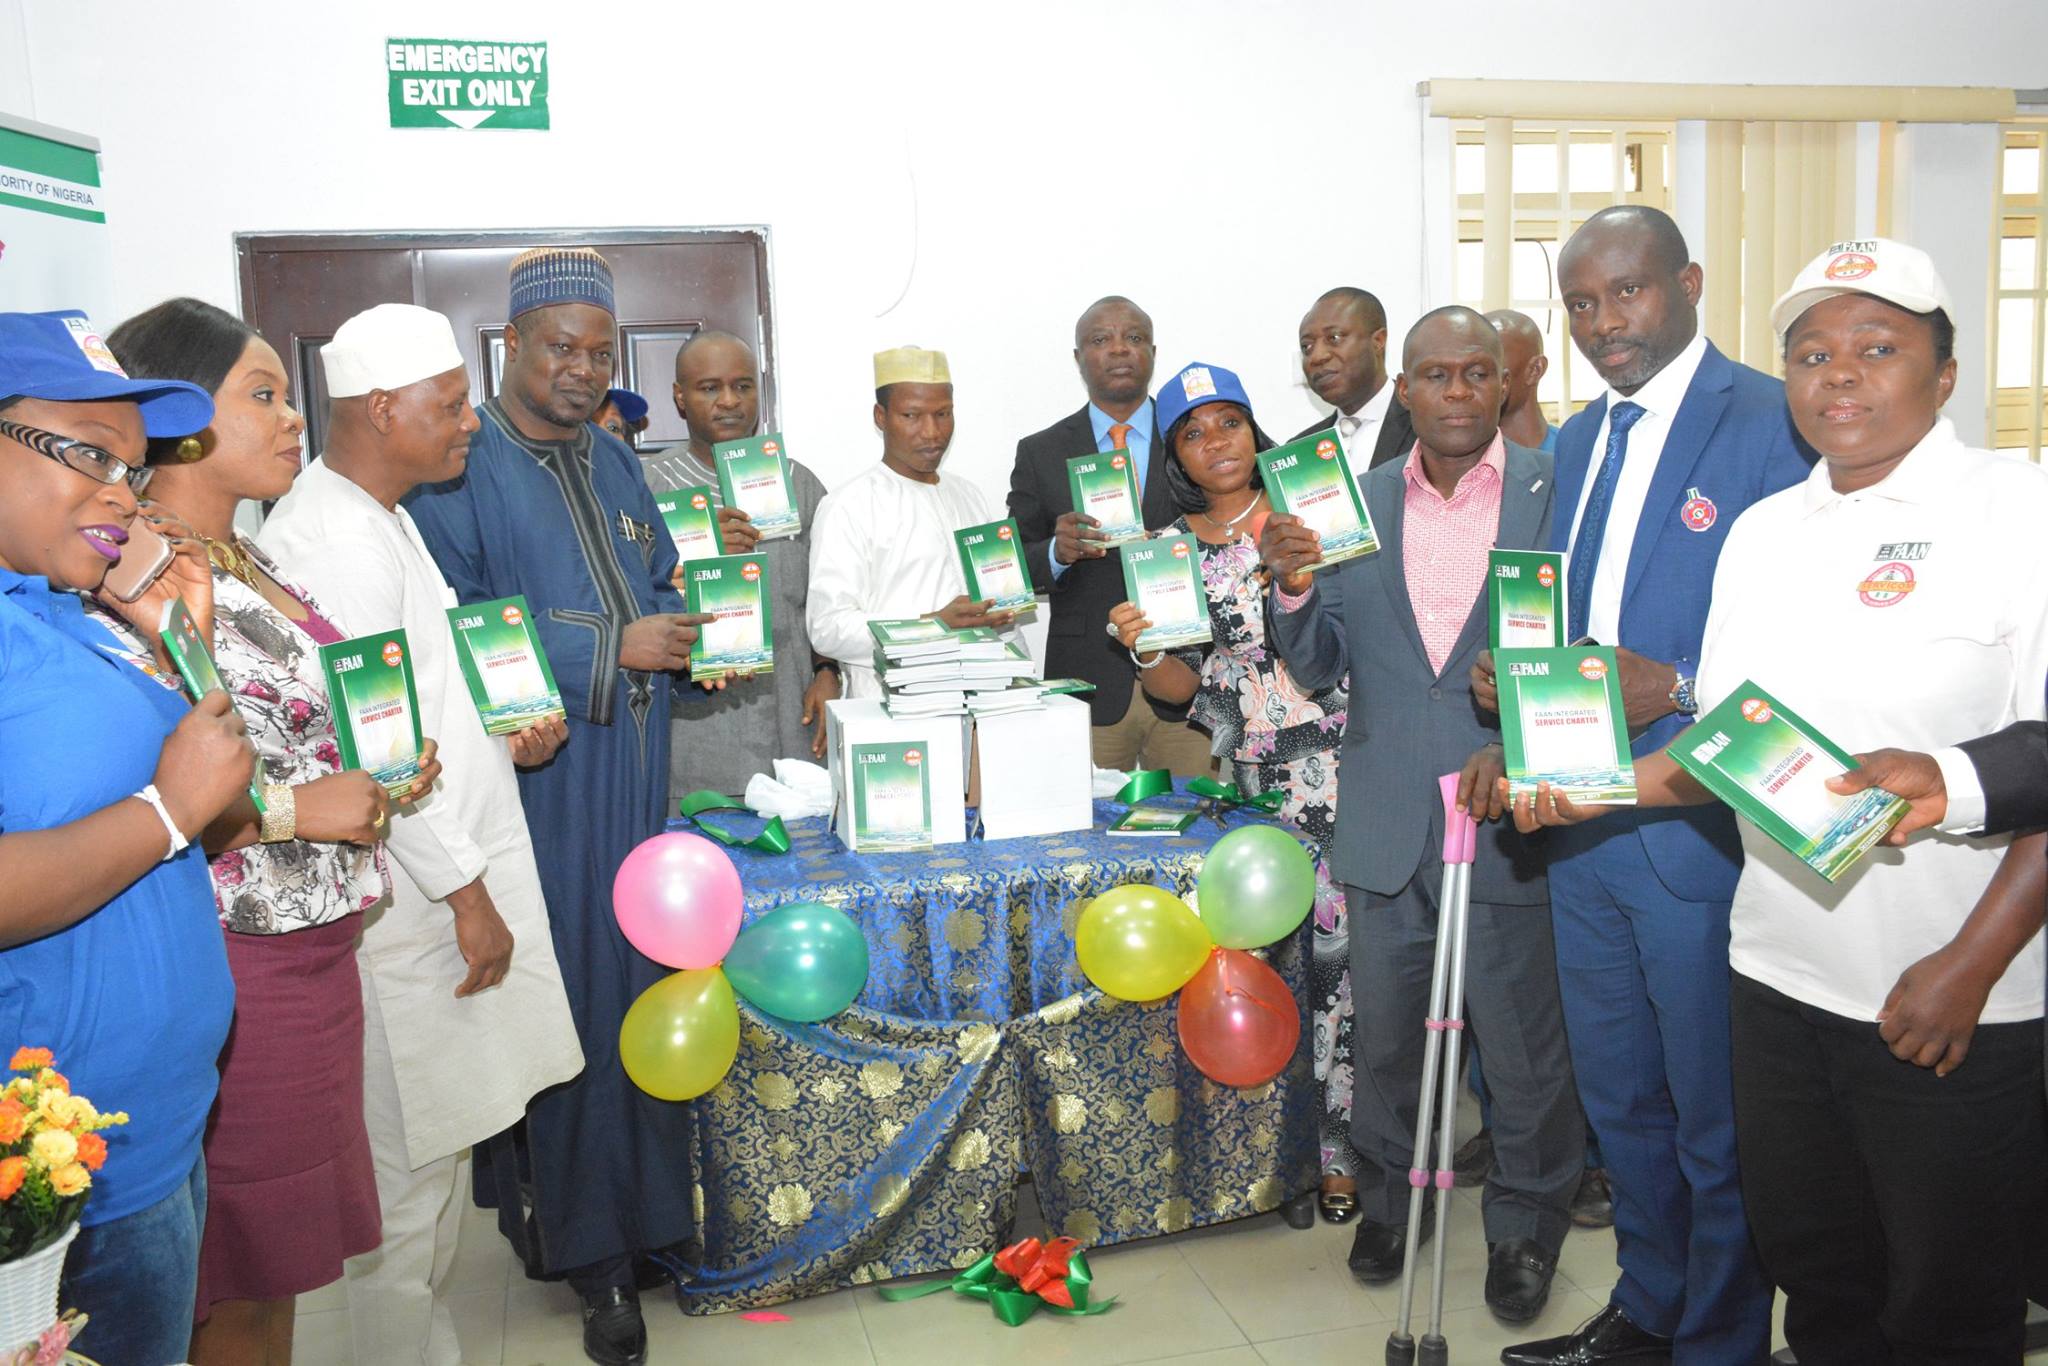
(143, 561)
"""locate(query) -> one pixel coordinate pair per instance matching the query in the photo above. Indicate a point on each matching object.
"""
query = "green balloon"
(1257, 885)
(799, 962)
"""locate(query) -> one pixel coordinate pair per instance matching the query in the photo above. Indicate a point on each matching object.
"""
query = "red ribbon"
(1040, 1268)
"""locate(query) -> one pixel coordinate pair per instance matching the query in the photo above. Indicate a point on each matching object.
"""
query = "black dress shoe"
(1300, 1212)
(1377, 1249)
(1606, 1337)
(613, 1334)
(1593, 1206)
(1518, 1273)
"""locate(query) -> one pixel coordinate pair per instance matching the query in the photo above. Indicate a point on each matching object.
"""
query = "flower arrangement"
(50, 1146)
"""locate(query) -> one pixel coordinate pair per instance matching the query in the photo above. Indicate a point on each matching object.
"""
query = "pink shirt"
(1444, 544)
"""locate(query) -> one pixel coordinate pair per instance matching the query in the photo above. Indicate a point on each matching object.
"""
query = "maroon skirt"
(290, 1189)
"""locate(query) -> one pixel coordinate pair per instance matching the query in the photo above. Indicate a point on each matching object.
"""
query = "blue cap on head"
(560, 275)
(1194, 386)
(631, 406)
(60, 356)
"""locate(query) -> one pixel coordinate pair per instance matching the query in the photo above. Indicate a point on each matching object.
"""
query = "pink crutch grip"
(1461, 831)
(1446, 1180)
(1418, 1177)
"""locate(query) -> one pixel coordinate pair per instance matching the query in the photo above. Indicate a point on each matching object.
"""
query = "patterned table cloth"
(887, 1141)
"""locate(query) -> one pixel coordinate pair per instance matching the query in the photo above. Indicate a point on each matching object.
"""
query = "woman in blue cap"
(1271, 732)
(109, 953)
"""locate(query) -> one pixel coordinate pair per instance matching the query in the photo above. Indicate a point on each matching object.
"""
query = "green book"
(892, 798)
(739, 640)
(692, 521)
(1105, 487)
(1311, 479)
(376, 707)
(1163, 577)
(992, 558)
(1562, 723)
(909, 632)
(754, 476)
(194, 663)
(1763, 759)
(504, 665)
(1065, 687)
(1525, 604)
(1153, 820)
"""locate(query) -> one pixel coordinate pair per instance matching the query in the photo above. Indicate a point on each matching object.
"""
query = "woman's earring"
(189, 450)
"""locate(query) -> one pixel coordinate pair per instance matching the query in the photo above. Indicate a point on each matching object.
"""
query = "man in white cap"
(883, 545)
(463, 1008)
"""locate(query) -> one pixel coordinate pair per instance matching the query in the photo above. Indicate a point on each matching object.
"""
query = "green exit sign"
(466, 83)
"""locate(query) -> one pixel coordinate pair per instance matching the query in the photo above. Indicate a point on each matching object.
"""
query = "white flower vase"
(28, 1293)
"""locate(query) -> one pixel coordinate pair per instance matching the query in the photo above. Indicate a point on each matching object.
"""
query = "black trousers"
(1892, 1207)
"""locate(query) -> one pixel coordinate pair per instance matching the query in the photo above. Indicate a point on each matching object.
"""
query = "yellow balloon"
(679, 1039)
(1140, 943)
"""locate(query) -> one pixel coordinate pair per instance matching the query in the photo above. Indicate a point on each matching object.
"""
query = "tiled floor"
(1241, 1294)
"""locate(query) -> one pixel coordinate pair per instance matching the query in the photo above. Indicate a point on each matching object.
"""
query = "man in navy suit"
(1649, 479)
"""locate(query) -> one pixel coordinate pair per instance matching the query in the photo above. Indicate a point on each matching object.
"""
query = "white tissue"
(798, 790)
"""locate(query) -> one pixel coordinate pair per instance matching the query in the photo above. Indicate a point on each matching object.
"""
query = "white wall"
(1222, 161)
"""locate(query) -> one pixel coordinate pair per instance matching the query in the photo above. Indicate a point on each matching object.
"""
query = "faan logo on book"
(1547, 575)
(750, 571)
(393, 655)
(1756, 711)
(512, 615)
(1326, 449)
(1593, 667)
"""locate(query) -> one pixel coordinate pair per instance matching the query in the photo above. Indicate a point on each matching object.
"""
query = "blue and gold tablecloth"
(887, 1141)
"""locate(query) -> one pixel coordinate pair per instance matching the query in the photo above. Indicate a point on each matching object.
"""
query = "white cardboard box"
(863, 721)
(1036, 770)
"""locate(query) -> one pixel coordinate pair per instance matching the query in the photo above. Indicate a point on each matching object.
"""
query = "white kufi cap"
(389, 347)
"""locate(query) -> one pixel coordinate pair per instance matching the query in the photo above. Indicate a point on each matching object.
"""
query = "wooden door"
(297, 288)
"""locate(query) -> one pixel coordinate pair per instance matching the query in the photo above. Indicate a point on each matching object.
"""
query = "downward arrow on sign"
(465, 118)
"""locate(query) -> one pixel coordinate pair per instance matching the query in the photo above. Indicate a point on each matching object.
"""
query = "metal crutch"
(1440, 1073)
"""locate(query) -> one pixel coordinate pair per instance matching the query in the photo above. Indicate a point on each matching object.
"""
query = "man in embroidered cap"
(464, 1014)
(553, 508)
(883, 545)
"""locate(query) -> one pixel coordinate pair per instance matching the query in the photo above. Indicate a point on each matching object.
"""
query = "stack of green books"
(929, 669)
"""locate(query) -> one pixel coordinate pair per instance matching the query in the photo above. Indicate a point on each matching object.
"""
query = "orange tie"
(1117, 432)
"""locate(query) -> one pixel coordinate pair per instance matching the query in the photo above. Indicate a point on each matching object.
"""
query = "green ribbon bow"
(1011, 1302)
(1227, 796)
(1145, 782)
(774, 836)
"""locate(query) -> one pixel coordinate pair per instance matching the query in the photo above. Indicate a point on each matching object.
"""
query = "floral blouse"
(271, 666)
(1246, 699)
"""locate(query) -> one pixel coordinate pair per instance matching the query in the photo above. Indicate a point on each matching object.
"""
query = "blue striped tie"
(1585, 552)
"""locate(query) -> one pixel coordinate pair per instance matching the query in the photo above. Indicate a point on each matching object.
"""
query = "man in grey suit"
(1406, 624)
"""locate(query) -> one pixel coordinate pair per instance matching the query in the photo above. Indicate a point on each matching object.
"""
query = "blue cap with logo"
(60, 356)
(1194, 386)
(631, 406)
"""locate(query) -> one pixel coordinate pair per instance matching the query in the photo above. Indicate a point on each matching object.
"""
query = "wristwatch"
(1685, 697)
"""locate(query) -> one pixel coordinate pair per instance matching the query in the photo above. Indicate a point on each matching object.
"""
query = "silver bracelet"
(1158, 658)
(156, 803)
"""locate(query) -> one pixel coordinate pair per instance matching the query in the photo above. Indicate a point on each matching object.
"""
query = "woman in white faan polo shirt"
(1889, 1112)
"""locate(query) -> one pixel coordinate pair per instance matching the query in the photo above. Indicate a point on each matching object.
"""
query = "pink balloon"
(678, 900)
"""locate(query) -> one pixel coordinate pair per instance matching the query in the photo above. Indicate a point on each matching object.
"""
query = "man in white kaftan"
(465, 1018)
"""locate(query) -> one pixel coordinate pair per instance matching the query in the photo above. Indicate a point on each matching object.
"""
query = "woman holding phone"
(109, 954)
(292, 1189)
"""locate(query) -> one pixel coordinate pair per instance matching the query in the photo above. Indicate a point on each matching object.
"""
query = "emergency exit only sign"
(466, 83)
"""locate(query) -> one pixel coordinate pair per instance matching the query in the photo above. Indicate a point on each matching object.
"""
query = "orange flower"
(13, 1120)
(30, 1059)
(92, 1151)
(13, 1171)
(51, 1080)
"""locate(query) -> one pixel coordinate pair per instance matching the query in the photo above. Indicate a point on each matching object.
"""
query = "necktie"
(1347, 426)
(1585, 551)
(1118, 431)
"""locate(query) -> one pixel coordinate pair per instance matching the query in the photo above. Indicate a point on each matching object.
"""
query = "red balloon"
(1238, 1021)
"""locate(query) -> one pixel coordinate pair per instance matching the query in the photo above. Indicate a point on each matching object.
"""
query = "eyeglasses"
(89, 460)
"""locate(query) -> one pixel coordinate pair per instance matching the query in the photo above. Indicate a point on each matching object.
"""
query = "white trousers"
(397, 1295)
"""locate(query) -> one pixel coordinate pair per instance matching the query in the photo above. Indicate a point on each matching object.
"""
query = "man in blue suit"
(1649, 479)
